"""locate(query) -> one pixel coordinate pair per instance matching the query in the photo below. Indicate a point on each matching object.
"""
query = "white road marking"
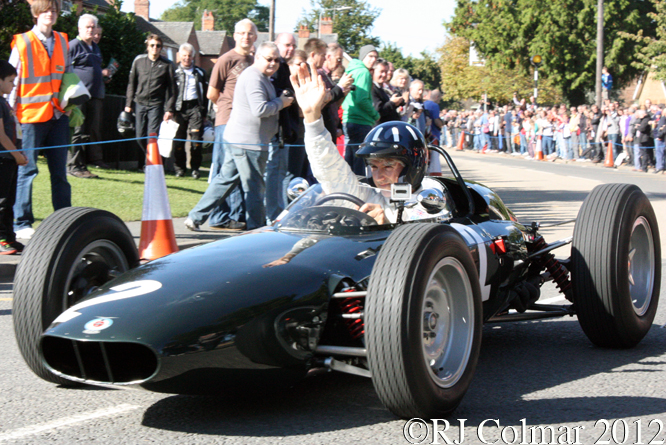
(551, 300)
(67, 421)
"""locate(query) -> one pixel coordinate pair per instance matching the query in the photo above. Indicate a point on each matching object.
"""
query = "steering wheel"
(343, 196)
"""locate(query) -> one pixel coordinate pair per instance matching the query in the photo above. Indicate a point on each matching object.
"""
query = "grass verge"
(118, 191)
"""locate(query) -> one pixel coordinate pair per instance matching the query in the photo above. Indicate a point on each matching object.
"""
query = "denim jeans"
(232, 207)
(276, 172)
(582, 139)
(572, 146)
(523, 144)
(547, 145)
(659, 154)
(509, 143)
(637, 156)
(43, 134)
(246, 167)
(148, 120)
(354, 135)
(612, 139)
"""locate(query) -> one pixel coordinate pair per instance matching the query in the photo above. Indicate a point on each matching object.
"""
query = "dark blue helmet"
(402, 141)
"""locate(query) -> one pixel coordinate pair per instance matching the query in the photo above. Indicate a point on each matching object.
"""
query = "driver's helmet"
(402, 141)
(125, 124)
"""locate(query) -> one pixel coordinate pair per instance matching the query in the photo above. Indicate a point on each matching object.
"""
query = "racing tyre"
(616, 265)
(74, 251)
(423, 321)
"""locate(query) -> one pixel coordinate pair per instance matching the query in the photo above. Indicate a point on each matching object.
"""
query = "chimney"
(326, 26)
(142, 9)
(207, 21)
(303, 32)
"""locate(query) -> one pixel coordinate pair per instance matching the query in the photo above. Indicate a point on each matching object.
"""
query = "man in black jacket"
(151, 85)
(191, 105)
(644, 127)
(386, 105)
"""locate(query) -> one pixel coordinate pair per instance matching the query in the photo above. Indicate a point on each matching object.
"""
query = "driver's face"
(385, 172)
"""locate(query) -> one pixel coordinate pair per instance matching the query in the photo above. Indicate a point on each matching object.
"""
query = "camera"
(288, 93)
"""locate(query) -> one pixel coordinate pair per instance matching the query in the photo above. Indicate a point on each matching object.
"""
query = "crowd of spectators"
(258, 145)
(583, 133)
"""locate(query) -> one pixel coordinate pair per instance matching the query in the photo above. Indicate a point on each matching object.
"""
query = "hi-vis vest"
(41, 77)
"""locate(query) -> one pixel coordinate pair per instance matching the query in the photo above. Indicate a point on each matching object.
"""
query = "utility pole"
(271, 21)
(600, 49)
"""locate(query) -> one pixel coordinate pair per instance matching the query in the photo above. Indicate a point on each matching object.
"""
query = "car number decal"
(474, 238)
(122, 291)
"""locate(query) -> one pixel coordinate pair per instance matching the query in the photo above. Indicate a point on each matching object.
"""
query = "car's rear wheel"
(74, 251)
(423, 321)
(616, 265)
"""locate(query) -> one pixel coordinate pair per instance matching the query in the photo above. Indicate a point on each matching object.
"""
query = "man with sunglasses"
(152, 86)
(252, 124)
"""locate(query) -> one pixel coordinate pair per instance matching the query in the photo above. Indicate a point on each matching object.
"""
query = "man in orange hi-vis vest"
(41, 58)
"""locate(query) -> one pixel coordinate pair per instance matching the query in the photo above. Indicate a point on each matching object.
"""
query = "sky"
(412, 25)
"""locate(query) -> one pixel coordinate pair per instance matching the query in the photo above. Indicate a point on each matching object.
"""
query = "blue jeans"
(659, 154)
(232, 207)
(612, 138)
(637, 156)
(478, 141)
(276, 172)
(523, 144)
(582, 139)
(354, 135)
(246, 167)
(43, 134)
(547, 145)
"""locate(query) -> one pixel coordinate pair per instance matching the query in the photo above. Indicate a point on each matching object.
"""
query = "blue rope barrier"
(148, 137)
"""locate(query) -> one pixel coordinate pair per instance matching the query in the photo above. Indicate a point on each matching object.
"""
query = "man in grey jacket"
(252, 124)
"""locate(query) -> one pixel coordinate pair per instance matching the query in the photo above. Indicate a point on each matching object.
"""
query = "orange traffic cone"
(157, 235)
(609, 156)
(461, 141)
(539, 149)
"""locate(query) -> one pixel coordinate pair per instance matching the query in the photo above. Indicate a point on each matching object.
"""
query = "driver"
(394, 152)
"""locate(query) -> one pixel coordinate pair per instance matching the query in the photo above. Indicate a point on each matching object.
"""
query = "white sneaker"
(25, 233)
(191, 225)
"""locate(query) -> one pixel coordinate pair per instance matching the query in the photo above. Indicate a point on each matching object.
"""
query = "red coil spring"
(355, 325)
(559, 273)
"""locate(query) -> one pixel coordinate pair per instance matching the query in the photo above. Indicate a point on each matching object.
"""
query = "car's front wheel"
(616, 265)
(74, 251)
(423, 321)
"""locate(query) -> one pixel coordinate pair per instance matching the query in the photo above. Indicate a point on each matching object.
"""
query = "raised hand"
(310, 92)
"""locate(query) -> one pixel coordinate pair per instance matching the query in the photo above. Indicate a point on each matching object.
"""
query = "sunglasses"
(155, 45)
(270, 59)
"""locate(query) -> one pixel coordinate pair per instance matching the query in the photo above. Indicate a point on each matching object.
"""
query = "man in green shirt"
(359, 114)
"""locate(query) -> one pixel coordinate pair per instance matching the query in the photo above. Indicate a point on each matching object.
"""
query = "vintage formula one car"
(327, 288)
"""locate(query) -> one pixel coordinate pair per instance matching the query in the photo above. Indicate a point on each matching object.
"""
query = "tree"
(14, 19)
(460, 81)
(352, 26)
(226, 13)
(653, 54)
(508, 32)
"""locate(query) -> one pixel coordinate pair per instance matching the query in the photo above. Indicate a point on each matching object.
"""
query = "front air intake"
(97, 361)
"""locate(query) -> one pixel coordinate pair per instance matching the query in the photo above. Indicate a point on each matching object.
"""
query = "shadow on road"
(516, 361)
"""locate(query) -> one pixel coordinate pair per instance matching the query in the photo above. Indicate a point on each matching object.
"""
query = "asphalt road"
(544, 372)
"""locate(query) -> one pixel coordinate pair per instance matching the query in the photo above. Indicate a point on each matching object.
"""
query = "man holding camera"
(386, 105)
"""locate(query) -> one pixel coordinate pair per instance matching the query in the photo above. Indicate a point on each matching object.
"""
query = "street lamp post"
(536, 62)
(340, 8)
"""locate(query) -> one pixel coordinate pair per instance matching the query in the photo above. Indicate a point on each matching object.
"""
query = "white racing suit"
(335, 175)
